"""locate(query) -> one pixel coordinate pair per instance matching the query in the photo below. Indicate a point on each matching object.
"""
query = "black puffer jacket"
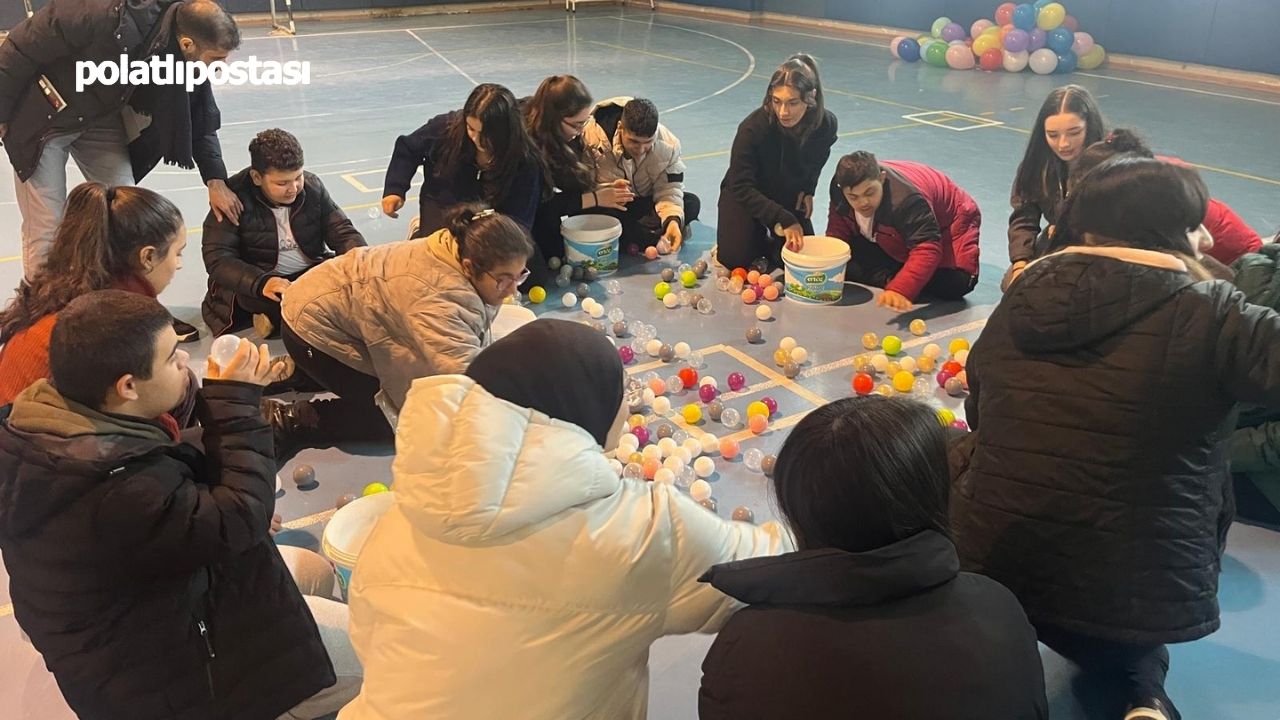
(769, 167)
(119, 543)
(1102, 390)
(240, 259)
(896, 633)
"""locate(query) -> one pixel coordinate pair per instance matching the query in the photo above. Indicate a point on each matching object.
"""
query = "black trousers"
(1130, 675)
(870, 265)
(741, 239)
(353, 416)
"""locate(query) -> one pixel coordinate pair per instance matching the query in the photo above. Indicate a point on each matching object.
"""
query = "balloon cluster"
(1039, 35)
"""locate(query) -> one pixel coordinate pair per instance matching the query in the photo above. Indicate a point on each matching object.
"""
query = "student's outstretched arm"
(702, 539)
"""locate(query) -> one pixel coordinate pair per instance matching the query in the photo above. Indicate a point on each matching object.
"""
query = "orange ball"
(689, 377)
(758, 424)
(753, 277)
(651, 467)
(749, 296)
(740, 272)
(771, 293)
(729, 448)
(658, 386)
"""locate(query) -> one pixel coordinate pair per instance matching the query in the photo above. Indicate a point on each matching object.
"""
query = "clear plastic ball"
(752, 458)
(633, 471)
(616, 315)
(224, 348)
(680, 436)
(613, 287)
(730, 417)
(675, 384)
(695, 359)
(704, 306)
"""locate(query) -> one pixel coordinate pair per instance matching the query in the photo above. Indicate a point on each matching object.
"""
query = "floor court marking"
(1183, 89)
(388, 66)
(906, 344)
(425, 28)
(309, 520)
(848, 134)
(751, 60)
(447, 61)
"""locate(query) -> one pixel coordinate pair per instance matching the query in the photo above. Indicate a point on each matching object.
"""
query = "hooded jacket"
(897, 632)
(241, 258)
(925, 221)
(140, 567)
(398, 311)
(659, 175)
(1101, 392)
(515, 552)
(769, 166)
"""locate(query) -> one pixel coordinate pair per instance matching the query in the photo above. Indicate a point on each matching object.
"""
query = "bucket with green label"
(591, 241)
(815, 274)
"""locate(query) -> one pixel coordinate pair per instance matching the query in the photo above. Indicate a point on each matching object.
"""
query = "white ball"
(653, 347)
(880, 362)
(704, 466)
(700, 490)
(569, 300)
(682, 350)
(616, 467)
(673, 463)
(799, 355)
(661, 406)
(671, 300)
(933, 351)
(685, 454)
(666, 446)
(664, 476)
(651, 452)
(907, 363)
(962, 357)
(764, 312)
(629, 440)
(707, 380)
(587, 304)
(597, 311)
(693, 445)
(647, 397)
(710, 444)
(788, 343)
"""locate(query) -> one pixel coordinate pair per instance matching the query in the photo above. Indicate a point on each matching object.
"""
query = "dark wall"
(1237, 34)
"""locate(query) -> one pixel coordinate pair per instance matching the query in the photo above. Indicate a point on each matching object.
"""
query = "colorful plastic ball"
(903, 381)
(885, 390)
(344, 501)
(893, 368)
(642, 434)
(715, 410)
(739, 273)
(917, 327)
(863, 384)
(692, 414)
(1069, 22)
(791, 370)
(758, 424)
(799, 355)
(706, 393)
(1037, 41)
(981, 45)
(1004, 13)
(959, 57)
(569, 300)
(651, 253)
(1051, 16)
(1043, 61)
(688, 376)
(946, 416)
(960, 425)
(892, 345)
(737, 381)
(757, 408)
(1059, 40)
(374, 488)
(658, 386)
(1015, 62)
(771, 293)
(661, 290)
(771, 404)
(651, 467)
(636, 421)
(626, 354)
(537, 294)
(907, 363)
(755, 335)
(870, 341)
(909, 50)
(942, 377)
(991, 60)
(749, 296)
(729, 448)
(957, 345)
(894, 43)
(1017, 40)
(1092, 59)
(688, 278)
(961, 356)
(767, 464)
(764, 312)
(781, 357)
(1024, 16)
(954, 387)
(963, 376)
(951, 367)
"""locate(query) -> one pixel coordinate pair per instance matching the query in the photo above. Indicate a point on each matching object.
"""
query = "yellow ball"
(635, 420)
(917, 327)
(957, 345)
(375, 488)
(537, 294)
(946, 417)
(903, 381)
(661, 289)
(757, 408)
(885, 390)
(692, 413)
(893, 368)
(870, 341)
(781, 357)
(926, 364)
(892, 345)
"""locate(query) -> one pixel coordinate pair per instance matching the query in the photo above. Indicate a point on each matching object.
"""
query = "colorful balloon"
(1051, 16)
(1066, 63)
(893, 45)
(1070, 23)
(1017, 40)
(959, 57)
(938, 25)
(952, 32)
(1038, 38)
(1059, 40)
(1015, 62)
(980, 25)
(936, 54)
(984, 43)
(1043, 61)
(1092, 59)
(991, 60)
(1004, 13)
(1004, 32)
(1083, 43)
(909, 50)
(1024, 17)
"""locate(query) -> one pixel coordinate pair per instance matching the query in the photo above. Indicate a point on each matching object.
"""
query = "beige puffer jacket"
(398, 311)
(517, 576)
(659, 175)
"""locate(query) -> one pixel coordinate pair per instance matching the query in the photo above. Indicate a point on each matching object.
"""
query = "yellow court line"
(11, 258)
(309, 520)
(769, 372)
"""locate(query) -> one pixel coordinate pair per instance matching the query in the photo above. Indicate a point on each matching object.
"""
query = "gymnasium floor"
(373, 80)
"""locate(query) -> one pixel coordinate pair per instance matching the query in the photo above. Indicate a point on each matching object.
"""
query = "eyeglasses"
(575, 126)
(505, 280)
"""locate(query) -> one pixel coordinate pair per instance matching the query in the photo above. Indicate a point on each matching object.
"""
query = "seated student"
(510, 531)
(289, 225)
(911, 230)
(377, 318)
(778, 155)
(127, 238)
(139, 565)
(1098, 489)
(630, 144)
(870, 617)
(1254, 447)
(480, 153)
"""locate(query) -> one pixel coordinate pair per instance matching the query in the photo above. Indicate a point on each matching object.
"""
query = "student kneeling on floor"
(288, 226)
(140, 565)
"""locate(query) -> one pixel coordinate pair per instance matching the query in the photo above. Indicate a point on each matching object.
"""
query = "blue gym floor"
(373, 80)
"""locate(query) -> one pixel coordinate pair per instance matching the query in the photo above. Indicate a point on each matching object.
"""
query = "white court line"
(271, 120)
(851, 41)
(375, 67)
(447, 60)
(301, 36)
(1175, 87)
(751, 62)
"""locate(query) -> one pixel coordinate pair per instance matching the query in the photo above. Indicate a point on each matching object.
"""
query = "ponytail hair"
(1120, 141)
(486, 237)
(800, 72)
(96, 246)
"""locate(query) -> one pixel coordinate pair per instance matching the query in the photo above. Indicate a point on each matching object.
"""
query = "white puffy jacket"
(518, 577)
(659, 174)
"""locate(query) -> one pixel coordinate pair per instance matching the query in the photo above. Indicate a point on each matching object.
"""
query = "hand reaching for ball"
(893, 301)
(249, 365)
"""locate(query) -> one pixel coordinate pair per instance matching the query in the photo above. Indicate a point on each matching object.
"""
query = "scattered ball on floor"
(771, 404)
(344, 500)
(704, 466)
(700, 489)
(957, 345)
(569, 300)
(903, 381)
(767, 464)
(946, 416)
(787, 343)
(689, 278)
(692, 414)
(758, 424)
(668, 275)
(757, 408)
(764, 312)
(729, 448)
(742, 513)
(863, 384)
(954, 387)
(755, 335)
(537, 294)
(708, 503)
(933, 351)
(661, 290)
(304, 475)
(870, 341)
(374, 488)
(892, 345)
(917, 327)
(799, 355)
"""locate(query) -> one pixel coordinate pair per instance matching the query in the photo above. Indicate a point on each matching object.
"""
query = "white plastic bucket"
(591, 241)
(348, 530)
(815, 275)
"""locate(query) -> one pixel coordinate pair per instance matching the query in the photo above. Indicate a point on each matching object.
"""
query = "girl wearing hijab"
(517, 575)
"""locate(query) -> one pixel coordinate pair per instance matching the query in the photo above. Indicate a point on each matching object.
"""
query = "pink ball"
(706, 393)
(626, 354)
(737, 381)
(771, 404)
(960, 425)
(642, 434)
(943, 377)
(651, 253)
